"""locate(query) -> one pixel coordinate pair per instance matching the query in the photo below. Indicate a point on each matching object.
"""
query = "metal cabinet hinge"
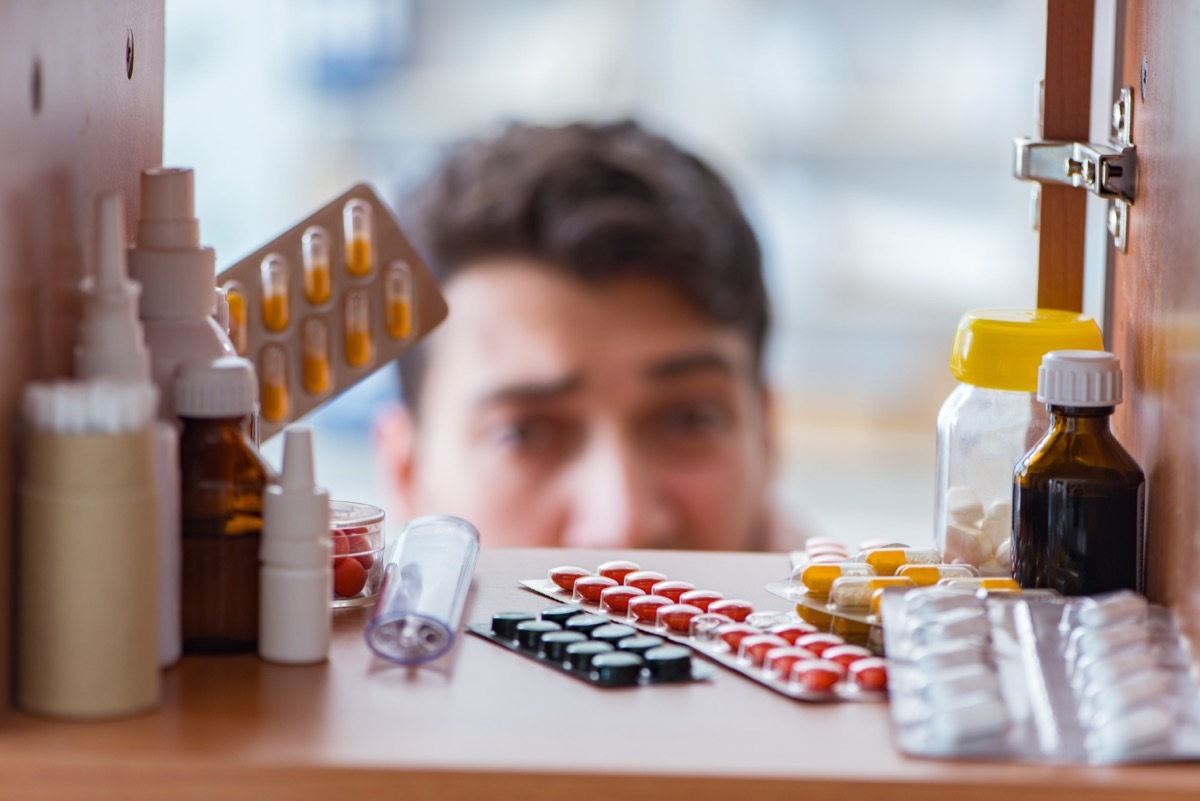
(1107, 171)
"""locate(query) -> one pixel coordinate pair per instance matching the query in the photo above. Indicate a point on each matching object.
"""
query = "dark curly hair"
(595, 201)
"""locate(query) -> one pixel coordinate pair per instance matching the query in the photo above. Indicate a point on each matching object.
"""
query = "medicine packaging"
(1038, 678)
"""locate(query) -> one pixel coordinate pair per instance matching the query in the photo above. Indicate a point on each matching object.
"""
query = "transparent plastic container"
(990, 421)
(357, 533)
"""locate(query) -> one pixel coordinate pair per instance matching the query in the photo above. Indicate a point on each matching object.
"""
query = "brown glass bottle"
(1078, 508)
(222, 480)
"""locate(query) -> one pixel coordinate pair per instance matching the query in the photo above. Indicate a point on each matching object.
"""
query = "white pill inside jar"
(963, 506)
(1124, 607)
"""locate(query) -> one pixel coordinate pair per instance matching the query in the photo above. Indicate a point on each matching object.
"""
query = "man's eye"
(694, 419)
(531, 434)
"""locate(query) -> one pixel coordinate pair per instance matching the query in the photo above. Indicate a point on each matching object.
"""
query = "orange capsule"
(733, 608)
(732, 634)
(817, 675)
(235, 299)
(616, 599)
(314, 247)
(870, 674)
(359, 235)
(677, 617)
(358, 346)
(819, 643)
(700, 598)
(618, 570)
(822, 620)
(315, 370)
(644, 608)
(274, 272)
(644, 580)
(672, 589)
(845, 655)
(273, 385)
(398, 300)
(753, 649)
(792, 631)
(778, 661)
(588, 588)
(566, 576)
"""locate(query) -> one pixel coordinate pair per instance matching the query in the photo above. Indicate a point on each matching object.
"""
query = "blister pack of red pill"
(1041, 679)
(776, 649)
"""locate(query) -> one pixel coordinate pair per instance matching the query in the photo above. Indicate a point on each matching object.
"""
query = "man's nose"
(618, 499)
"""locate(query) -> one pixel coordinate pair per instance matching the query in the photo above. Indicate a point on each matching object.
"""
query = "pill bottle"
(989, 421)
(1078, 496)
(223, 479)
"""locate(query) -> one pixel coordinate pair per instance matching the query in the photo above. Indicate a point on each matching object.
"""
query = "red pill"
(792, 631)
(644, 608)
(588, 588)
(349, 578)
(733, 608)
(616, 599)
(817, 643)
(817, 675)
(644, 580)
(618, 570)
(732, 634)
(845, 655)
(779, 661)
(566, 576)
(677, 617)
(870, 674)
(341, 547)
(672, 589)
(700, 598)
(753, 649)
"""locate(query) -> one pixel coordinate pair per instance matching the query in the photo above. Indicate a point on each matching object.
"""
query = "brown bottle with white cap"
(1078, 496)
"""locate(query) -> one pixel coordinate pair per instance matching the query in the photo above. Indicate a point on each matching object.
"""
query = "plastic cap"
(296, 511)
(1080, 378)
(168, 210)
(297, 459)
(224, 387)
(112, 344)
(1003, 348)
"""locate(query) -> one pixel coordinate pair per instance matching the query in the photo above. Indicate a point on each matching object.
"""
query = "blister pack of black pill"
(592, 648)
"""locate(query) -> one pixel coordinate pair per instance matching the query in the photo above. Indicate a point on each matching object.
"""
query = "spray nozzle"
(297, 459)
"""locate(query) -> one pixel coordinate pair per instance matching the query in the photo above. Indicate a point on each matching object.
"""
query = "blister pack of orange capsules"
(326, 303)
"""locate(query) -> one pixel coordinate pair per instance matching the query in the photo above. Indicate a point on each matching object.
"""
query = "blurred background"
(870, 142)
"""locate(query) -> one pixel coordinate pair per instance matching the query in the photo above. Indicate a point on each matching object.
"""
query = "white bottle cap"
(177, 275)
(225, 387)
(1086, 378)
(112, 344)
(296, 510)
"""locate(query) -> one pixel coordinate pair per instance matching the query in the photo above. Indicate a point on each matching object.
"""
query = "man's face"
(611, 415)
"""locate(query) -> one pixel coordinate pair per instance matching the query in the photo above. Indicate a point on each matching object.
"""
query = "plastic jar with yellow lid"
(989, 422)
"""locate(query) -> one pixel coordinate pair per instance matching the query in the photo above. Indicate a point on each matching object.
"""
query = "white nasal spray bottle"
(296, 582)
(112, 346)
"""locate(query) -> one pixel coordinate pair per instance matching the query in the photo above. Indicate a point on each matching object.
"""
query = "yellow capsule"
(274, 389)
(850, 628)
(358, 329)
(275, 310)
(887, 561)
(973, 584)
(356, 224)
(316, 370)
(926, 575)
(854, 592)
(397, 294)
(317, 276)
(235, 300)
(819, 578)
(822, 620)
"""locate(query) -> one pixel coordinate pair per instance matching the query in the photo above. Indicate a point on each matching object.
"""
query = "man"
(598, 382)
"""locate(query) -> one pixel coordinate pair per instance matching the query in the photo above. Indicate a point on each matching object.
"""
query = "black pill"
(613, 633)
(504, 624)
(669, 662)
(561, 613)
(585, 624)
(640, 644)
(554, 644)
(617, 668)
(580, 654)
(530, 633)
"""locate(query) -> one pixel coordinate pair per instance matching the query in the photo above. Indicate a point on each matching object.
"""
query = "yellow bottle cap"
(1003, 348)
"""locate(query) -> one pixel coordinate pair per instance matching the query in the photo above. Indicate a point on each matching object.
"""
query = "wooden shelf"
(490, 724)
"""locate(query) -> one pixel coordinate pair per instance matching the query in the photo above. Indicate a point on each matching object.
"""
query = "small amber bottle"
(223, 479)
(1078, 496)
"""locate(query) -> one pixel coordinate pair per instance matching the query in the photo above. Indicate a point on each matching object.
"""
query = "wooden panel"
(73, 124)
(1156, 294)
(1065, 116)
(489, 724)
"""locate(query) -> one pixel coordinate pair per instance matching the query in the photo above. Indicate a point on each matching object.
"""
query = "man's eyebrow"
(688, 363)
(532, 390)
